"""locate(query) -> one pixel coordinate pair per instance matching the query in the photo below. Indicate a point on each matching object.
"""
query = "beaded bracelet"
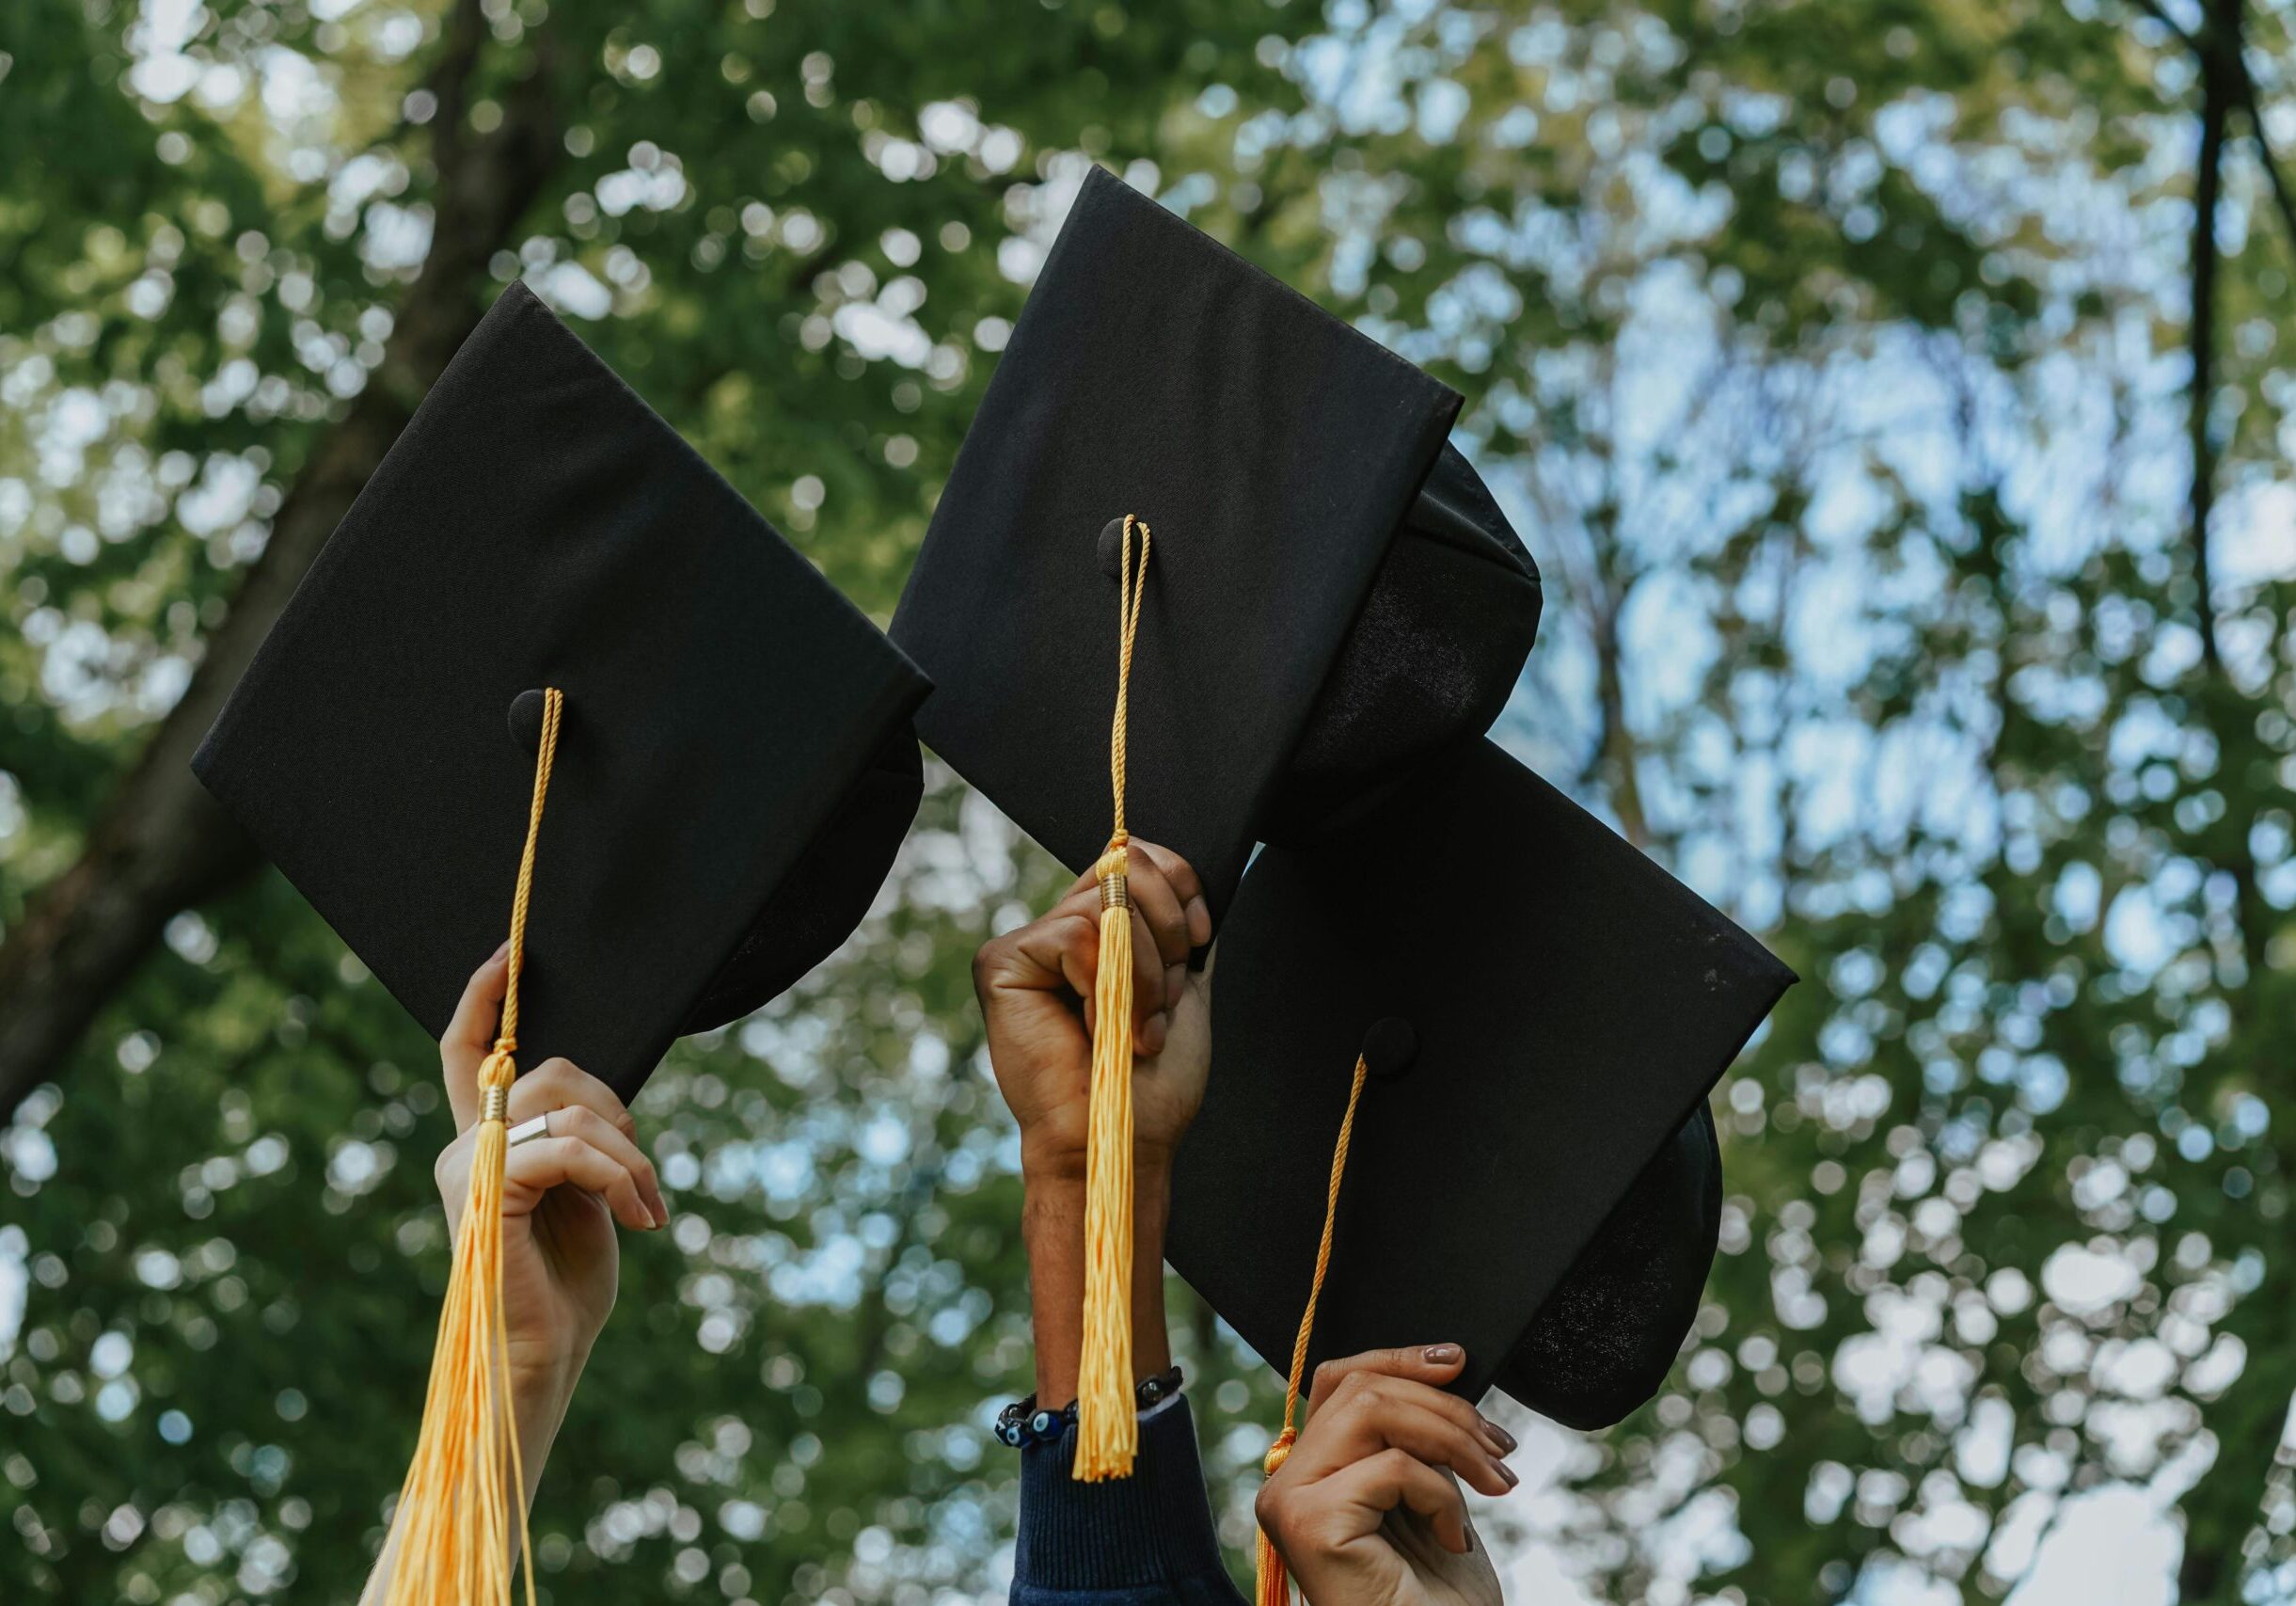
(1022, 1423)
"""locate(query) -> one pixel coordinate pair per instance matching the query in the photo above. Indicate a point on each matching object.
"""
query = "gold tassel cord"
(1274, 1582)
(1107, 1429)
(466, 1477)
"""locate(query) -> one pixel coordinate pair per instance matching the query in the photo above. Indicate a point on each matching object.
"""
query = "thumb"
(470, 1036)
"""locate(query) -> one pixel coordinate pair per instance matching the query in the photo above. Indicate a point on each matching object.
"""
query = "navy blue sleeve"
(1146, 1541)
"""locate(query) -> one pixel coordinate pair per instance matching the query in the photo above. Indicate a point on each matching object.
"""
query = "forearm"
(1052, 1230)
(1145, 1539)
(539, 1402)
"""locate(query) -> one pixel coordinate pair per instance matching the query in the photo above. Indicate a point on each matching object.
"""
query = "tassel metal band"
(1115, 892)
(494, 1105)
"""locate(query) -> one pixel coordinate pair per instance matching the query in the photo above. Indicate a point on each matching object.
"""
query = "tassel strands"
(1107, 1430)
(1275, 1584)
(455, 1508)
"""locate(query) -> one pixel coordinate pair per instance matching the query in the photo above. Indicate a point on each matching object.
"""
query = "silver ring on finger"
(527, 1131)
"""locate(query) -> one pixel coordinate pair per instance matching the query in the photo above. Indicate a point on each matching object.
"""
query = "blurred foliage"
(1830, 357)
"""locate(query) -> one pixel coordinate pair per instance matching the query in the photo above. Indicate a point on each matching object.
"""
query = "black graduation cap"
(1332, 595)
(1533, 1172)
(735, 771)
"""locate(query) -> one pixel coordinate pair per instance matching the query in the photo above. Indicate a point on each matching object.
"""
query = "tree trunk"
(2217, 92)
(2221, 1512)
(160, 843)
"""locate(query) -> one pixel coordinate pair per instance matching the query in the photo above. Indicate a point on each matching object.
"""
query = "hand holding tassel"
(1363, 1503)
(451, 1541)
(1036, 985)
(554, 1302)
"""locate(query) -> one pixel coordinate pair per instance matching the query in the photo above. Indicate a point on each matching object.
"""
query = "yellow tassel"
(1108, 1430)
(1275, 1584)
(467, 1479)
(1107, 1427)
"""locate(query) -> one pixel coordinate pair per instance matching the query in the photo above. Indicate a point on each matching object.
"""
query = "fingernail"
(1508, 1472)
(1175, 983)
(1198, 914)
(1441, 1354)
(499, 952)
(661, 1217)
(1499, 1436)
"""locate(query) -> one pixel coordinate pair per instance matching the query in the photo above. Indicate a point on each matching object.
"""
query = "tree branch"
(2208, 192)
(161, 844)
(2231, 56)
(2283, 200)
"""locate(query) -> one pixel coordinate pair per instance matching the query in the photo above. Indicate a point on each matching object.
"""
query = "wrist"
(1155, 1156)
(1053, 1217)
(1050, 1165)
(542, 1385)
(1049, 1160)
(540, 1389)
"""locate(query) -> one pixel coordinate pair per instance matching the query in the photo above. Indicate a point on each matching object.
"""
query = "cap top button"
(1110, 547)
(526, 720)
(1389, 1047)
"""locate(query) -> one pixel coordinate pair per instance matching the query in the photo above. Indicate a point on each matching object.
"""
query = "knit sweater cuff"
(1151, 1529)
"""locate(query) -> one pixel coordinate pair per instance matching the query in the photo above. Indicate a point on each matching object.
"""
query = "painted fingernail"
(1198, 914)
(1441, 1354)
(1508, 1472)
(1499, 1436)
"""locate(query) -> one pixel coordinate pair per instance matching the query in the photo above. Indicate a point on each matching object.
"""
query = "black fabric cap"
(734, 771)
(1332, 594)
(1569, 1005)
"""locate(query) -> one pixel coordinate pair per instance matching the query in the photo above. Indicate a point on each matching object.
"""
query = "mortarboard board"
(1334, 598)
(544, 593)
(1533, 1172)
(1334, 595)
(735, 770)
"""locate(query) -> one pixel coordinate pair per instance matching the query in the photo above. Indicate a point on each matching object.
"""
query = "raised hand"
(1366, 1510)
